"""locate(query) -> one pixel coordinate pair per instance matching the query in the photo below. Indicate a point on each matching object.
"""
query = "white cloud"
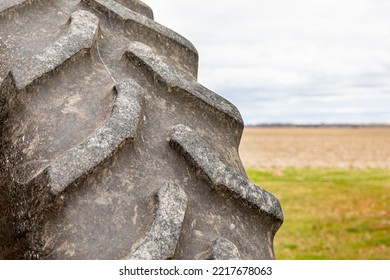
(287, 53)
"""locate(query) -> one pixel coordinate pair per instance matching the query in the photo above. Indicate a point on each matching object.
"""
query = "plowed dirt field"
(356, 148)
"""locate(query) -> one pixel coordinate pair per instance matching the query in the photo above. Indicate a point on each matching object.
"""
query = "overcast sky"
(302, 61)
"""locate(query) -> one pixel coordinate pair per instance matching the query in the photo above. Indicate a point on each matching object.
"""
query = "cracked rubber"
(111, 149)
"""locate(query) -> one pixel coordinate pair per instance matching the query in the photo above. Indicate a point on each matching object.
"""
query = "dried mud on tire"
(110, 148)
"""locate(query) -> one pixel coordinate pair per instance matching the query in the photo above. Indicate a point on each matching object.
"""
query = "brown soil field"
(357, 148)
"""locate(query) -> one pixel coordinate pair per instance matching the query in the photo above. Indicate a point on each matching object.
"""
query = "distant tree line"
(320, 125)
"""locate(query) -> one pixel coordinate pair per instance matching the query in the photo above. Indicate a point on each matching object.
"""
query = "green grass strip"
(330, 213)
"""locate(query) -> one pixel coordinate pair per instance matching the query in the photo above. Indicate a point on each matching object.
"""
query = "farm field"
(334, 192)
(316, 147)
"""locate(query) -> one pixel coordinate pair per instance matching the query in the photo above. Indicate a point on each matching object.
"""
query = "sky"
(290, 61)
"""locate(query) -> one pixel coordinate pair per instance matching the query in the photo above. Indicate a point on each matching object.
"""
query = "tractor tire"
(111, 149)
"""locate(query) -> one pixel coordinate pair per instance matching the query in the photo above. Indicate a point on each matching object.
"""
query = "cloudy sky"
(301, 61)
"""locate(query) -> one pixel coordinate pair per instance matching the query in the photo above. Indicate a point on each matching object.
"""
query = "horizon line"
(291, 124)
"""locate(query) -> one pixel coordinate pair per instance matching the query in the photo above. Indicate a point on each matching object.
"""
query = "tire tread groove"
(161, 241)
(8, 5)
(114, 8)
(190, 144)
(175, 79)
(80, 36)
(122, 126)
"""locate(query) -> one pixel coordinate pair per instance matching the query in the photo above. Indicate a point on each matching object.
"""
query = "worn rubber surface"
(110, 148)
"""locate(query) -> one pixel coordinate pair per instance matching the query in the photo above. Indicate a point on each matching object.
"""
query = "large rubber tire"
(110, 149)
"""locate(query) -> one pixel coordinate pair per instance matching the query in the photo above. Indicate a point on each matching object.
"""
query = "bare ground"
(360, 148)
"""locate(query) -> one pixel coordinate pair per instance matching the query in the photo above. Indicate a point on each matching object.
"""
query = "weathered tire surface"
(110, 149)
